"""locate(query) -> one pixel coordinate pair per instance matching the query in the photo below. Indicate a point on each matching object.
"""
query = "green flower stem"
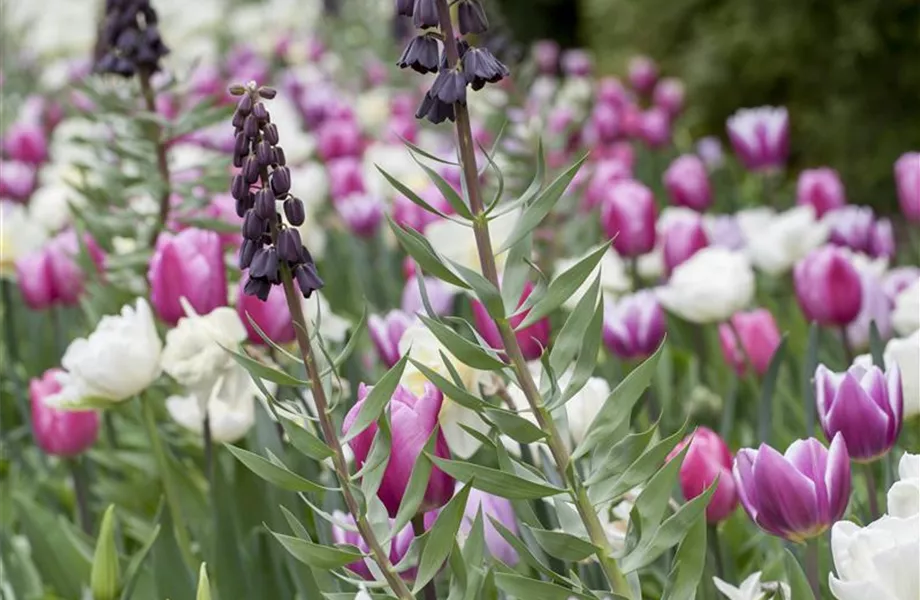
(156, 136)
(716, 546)
(560, 452)
(81, 494)
(172, 499)
(848, 353)
(208, 447)
(812, 568)
(871, 491)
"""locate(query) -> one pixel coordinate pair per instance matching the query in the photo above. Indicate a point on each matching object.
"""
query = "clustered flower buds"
(263, 180)
(474, 66)
(129, 40)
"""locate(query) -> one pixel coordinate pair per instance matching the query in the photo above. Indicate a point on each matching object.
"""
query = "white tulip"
(876, 562)
(310, 183)
(614, 280)
(230, 406)
(778, 243)
(904, 494)
(19, 235)
(710, 286)
(750, 589)
(904, 352)
(195, 354)
(906, 314)
(753, 220)
(120, 359)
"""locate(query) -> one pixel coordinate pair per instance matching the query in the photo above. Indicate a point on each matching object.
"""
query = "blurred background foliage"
(849, 71)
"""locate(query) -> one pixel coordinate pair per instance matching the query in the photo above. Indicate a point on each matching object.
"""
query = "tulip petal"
(810, 458)
(787, 499)
(863, 423)
(838, 478)
(743, 472)
(826, 384)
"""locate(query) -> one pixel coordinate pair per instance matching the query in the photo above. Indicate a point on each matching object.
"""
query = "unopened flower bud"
(471, 17)
(251, 126)
(278, 158)
(238, 120)
(264, 154)
(267, 92)
(244, 204)
(270, 134)
(253, 226)
(240, 145)
(236, 90)
(294, 211)
(260, 112)
(308, 280)
(289, 245)
(265, 264)
(281, 181)
(265, 204)
(244, 106)
(238, 187)
(247, 252)
(404, 7)
(250, 170)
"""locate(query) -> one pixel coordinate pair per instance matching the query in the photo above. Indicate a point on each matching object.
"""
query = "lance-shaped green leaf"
(876, 346)
(767, 389)
(517, 273)
(268, 341)
(263, 371)
(520, 586)
(515, 426)
(441, 538)
(408, 193)
(464, 350)
(560, 289)
(525, 553)
(273, 473)
(571, 337)
(535, 186)
(535, 212)
(317, 555)
(607, 426)
(483, 288)
(475, 543)
(798, 583)
(447, 190)
(204, 584)
(422, 152)
(587, 358)
(450, 389)
(415, 489)
(371, 474)
(621, 455)
(376, 399)
(422, 253)
(304, 440)
(689, 562)
(493, 481)
(105, 574)
(562, 545)
(137, 561)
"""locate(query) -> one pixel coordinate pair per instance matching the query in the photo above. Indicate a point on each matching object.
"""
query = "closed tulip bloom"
(412, 420)
(17, 180)
(634, 325)
(710, 287)
(899, 279)
(683, 237)
(687, 183)
(655, 127)
(796, 496)
(546, 56)
(493, 507)
(26, 142)
(642, 73)
(669, 95)
(344, 532)
(828, 287)
(865, 405)
(576, 63)
(760, 137)
(189, 264)
(346, 177)
(611, 90)
(760, 338)
(821, 189)
(881, 240)
(337, 138)
(386, 331)
(602, 177)
(851, 226)
(907, 179)
(52, 275)
(875, 307)
(628, 216)
(363, 213)
(708, 459)
(272, 316)
(59, 432)
(532, 340)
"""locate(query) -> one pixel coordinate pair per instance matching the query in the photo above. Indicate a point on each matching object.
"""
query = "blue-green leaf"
(376, 400)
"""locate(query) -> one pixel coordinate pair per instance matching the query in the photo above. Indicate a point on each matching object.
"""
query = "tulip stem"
(560, 452)
(429, 592)
(81, 494)
(716, 546)
(156, 135)
(871, 491)
(812, 567)
(208, 447)
(847, 346)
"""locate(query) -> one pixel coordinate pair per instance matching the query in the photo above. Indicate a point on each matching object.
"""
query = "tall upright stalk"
(560, 452)
(156, 135)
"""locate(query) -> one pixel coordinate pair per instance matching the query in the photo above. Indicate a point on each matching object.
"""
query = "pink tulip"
(60, 432)
(399, 547)
(440, 296)
(189, 264)
(412, 420)
(821, 189)
(851, 226)
(687, 183)
(272, 316)
(346, 177)
(634, 326)
(401, 128)
(643, 73)
(628, 216)
(546, 56)
(17, 180)
(899, 279)
(669, 95)
(828, 287)
(760, 338)
(532, 339)
(881, 240)
(709, 149)
(492, 507)
(655, 127)
(611, 90)
(363, 213)
(337, 138)
(576, 63)
(52, 275)
(760, 137)
(907, 178)
(708, 459)
(26, 142)
(605, 173)
(683, 236)
(604, 123)
(407, 213)
(386, 331)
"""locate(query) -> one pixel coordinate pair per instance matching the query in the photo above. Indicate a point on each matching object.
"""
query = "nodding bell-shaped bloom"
(760, 137)
(796, 496)
(684, 235)
(26, 142)
(821, 189)
(707, 459)
(760, 338)
(532, 340)
(412, 420)
(687, 183)
(363, 213)
(642, 73)
(386, 331)
(669, 95)
(60, 432)
(634, 325)
(864, 405)
(52, 275)
(828, 287)
(344, 532)
(628, 216)
(189, 264)
(271, 315)
(907, 178)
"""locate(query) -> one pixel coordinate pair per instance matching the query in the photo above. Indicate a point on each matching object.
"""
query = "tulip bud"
(634, 326)
(907, 178)
(363, 213)
(796, 496)
(346, 177)
(189, 264)
(337, 138)
(52, 275)
(412, 421)
(684, 236)
(59, 432)
(271, 315)
(707, 459)
(546, 56)
(628, 217)
(606, 172)
(655, 127)
(643, 73)
(760, 137)
(881, 240)
(576, 63)
(821, 189)
(532, 339)
(26, 142)
(687, 183)
(386, 331)
(760, 338)
(669, 95)
(828, 287)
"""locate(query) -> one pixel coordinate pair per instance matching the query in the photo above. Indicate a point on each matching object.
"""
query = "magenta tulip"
(338, 138)
(343, 532)
(851, 226)
(760, 338)
(412, 420)
(875, 308)
(669, 95)
(546, 56)
(386, 331)
(760, 137)
(346, 177)
(865, 406)
(610, 90)
(683, 236)
(821, 189)
(707, 459)
(828, 287)
(881, 240)
(655, 127)
(634, 326)
(493, 507)
(576, 63)
(907, 178)
(26, 142)
(17, 180)
(643, 73)
(796, 496)
(532, 339)
(60, 432)
(687, 183)
(605, 173)
(362, 213)
(628, 216)
(440, 296)
(189, 264)
(52, 275)
(272, 316)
